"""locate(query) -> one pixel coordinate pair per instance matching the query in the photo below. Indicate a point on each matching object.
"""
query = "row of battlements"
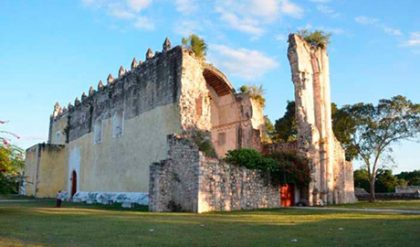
(59, 111)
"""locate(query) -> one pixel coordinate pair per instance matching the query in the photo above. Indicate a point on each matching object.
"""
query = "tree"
(11, 162)
(286, 128)
(376, 128)
(385, 181)
(269, 130)
(196, 44)
(360, 178)
(412, 178)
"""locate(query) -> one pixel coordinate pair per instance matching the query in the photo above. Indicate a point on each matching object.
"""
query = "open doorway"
(73, 183)
(287, 195)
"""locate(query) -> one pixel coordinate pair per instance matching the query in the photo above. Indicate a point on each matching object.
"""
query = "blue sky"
(54, 50)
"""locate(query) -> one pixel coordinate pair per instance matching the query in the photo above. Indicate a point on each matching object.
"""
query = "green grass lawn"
(400, 204)
(38, 223)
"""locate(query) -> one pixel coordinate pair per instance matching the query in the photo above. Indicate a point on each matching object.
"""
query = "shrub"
(317, 38)
(255, 92)
(250, 159)
(196, 44)
(203, 140)
(292, 168)
(285, 167)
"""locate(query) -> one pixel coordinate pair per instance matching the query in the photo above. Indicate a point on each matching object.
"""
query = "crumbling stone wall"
(188, 181)
(226, 187)
(332, 176)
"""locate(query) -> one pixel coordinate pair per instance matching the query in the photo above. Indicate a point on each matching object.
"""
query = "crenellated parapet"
(147, 84)
(136, 65)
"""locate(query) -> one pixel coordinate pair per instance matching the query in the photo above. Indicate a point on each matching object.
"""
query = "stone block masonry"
(189, 181)
(331, 175)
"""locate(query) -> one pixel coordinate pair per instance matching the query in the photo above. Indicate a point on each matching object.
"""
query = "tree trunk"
(372, 191)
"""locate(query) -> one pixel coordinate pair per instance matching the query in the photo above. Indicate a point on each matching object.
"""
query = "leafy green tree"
(11, 162)
(385, 181)
(196, 44)
(269, 130)
(376, 128)
(360, 178)
(286, 128)
(412, 178)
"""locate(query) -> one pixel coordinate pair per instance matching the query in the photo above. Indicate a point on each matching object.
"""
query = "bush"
(292, 168)
(285, 167)
(317, 38)
(255, 92)
(196, 44)
(250, 159)
(203, 140)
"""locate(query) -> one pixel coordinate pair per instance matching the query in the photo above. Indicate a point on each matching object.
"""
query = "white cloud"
(186, 27)
(138, 5)
(281, 37)
(364, 20)
(186, 6)
(244, 63)
(320, 1)
(291, 9)
(374, 22)
(247, 25)
(327, 11)
(128, 10)
(251, 16)
(413, 40)
(142, 22)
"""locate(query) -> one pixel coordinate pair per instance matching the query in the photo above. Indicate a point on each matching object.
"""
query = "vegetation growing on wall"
(317, 38)
(203, 140)
(255, 92)
(285, 167)
(196, 44)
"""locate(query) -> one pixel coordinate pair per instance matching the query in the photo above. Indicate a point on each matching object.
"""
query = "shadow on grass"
(76, 225)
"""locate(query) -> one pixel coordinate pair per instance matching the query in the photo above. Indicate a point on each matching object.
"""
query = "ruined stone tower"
(331, 174)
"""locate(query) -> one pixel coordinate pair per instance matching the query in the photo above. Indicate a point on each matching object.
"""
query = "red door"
(73, 183)
(287, 195)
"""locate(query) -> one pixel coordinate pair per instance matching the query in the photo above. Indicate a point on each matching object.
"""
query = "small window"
(97, 132)
(57, 137)
(221, 138)
(117, 124)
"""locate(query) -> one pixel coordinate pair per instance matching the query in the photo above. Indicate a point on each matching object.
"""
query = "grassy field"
(401, 204)
(38, 223)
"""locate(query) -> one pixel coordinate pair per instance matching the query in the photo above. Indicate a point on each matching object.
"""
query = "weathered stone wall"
(226, 187)
(188, 181)
(174, 182)
(332, 177)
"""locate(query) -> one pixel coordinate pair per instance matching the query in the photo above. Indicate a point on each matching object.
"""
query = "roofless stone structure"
(332, 175)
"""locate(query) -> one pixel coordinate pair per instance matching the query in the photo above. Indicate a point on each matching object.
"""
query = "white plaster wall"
(74, 165)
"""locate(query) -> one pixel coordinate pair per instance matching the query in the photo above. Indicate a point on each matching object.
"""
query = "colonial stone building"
(128, 141)
(107, 139)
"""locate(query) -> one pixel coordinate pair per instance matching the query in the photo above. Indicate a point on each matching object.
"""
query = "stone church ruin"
(131, 141)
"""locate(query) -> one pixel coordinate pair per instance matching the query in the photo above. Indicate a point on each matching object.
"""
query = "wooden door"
(287, 195)
(73, 183)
